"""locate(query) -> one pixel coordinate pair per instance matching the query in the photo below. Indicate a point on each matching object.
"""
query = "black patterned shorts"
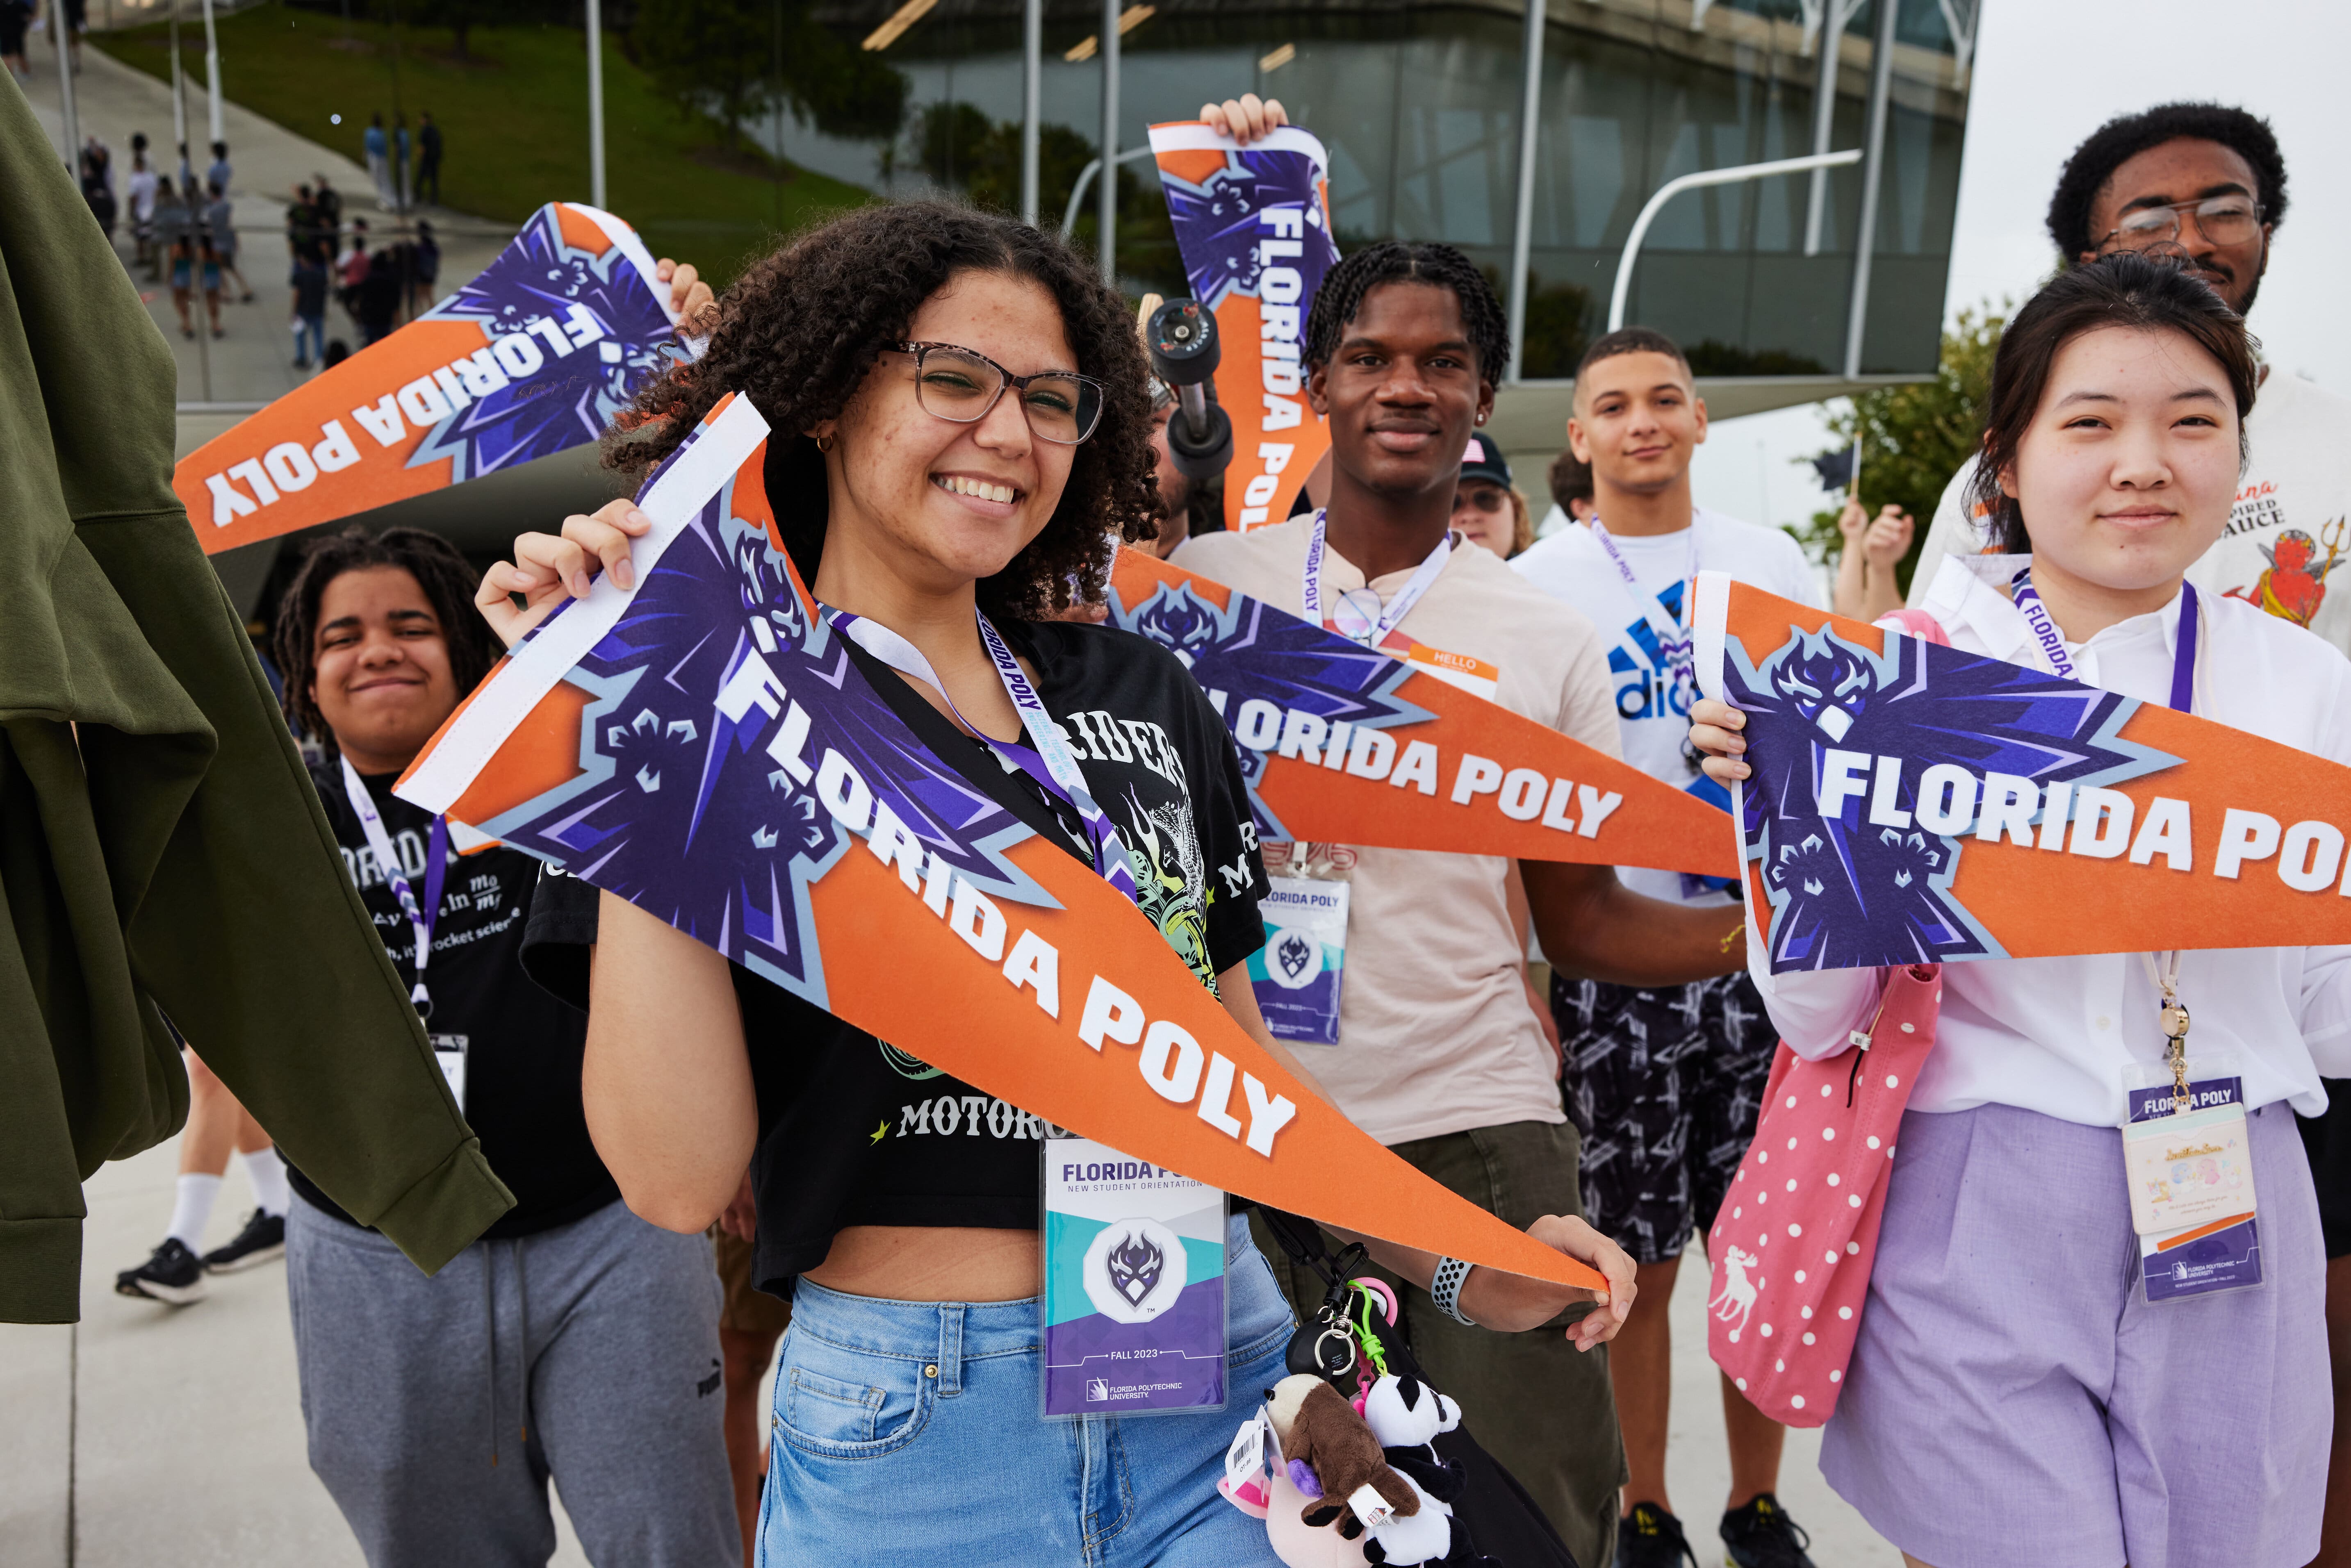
(1665, 1086)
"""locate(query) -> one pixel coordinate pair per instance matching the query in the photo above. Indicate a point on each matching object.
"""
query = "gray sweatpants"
(438, 1409)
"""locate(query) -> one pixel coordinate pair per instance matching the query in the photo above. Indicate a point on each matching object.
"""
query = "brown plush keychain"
(1319, 1428)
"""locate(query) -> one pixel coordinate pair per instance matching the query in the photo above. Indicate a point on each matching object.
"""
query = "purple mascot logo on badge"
(1135, 1268)
(1871, 767)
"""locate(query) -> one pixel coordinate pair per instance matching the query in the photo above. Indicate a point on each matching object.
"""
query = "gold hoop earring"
(824, 443)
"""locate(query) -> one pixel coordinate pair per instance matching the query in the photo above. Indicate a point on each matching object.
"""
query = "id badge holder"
(449, 1053)
(2188, 1157)
(1133, 1295)
(1299, 973)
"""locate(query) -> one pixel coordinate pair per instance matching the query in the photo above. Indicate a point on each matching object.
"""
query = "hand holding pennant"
(703, 747)
(1911, 803)
(1344, 743)
(1253, 227)
(534, 355)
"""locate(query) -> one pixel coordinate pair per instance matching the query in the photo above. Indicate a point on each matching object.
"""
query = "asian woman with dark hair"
(2019, 1391)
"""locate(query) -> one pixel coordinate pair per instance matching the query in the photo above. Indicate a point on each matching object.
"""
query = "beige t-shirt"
(1434, 1032)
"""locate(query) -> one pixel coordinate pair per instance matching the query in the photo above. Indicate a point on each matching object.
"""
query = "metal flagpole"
(1107, 249)
(1032, 86)
(1873, 175)
(62, 31)
(179, 89)
(595, 103)
(212, 74)
(1522, 228)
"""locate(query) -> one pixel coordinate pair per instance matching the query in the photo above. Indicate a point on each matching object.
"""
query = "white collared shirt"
(2054, 1035)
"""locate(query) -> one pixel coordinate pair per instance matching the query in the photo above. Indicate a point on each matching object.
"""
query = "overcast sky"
(2047, 73)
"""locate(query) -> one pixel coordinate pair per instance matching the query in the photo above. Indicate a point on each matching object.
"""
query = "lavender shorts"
(2013, 1399)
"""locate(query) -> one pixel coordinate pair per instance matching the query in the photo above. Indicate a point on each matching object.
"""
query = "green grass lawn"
(514, 120)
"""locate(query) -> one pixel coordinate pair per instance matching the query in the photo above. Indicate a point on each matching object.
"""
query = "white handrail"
(1672, 188)
(1086, 177)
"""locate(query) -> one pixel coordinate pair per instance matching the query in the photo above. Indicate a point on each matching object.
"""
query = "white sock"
(193, 1209)
(267, 1171)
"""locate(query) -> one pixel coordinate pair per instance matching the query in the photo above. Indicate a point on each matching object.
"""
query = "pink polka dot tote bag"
(1791, 1248)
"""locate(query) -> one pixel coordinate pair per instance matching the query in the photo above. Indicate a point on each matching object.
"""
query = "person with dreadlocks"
(1440, 1054)
(574, 1342)
(961, 422)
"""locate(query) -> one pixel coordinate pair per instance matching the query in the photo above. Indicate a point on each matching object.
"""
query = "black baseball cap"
(1483, 460)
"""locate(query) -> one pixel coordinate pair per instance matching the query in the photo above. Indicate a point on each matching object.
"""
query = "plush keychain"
(1325, 1442)
(1405, 1414)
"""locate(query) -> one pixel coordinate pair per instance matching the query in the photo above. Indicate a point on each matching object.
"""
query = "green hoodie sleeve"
(162, 854)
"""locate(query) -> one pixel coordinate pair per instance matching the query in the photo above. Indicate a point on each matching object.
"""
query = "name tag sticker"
(1133, 1301)
(2191, 1188)
(449, 1051)
(1298, 973)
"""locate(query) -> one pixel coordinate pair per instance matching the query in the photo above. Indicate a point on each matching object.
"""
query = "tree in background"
(721, 58)
(1914, 436)
(461, 16)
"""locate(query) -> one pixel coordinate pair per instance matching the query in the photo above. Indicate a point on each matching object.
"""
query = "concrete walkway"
(174, 1434)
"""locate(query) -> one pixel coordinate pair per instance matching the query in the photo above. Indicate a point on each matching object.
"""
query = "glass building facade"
(1421, 106)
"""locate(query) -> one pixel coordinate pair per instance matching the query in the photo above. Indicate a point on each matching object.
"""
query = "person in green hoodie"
(163, 854)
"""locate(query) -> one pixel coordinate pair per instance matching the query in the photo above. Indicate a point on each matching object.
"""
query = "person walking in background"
(176, 249)
(303, 240)
(1487, 508)
(378, 160)
(352, 271)
(308, 282)
(380, 294)
(399, 163)
(187, 174)
(218, 1126)
(1665, 1082)
(74, 16)
(14, 16)
(428, 163)
(423, 268)
(331, 211)
(218, 174)
(141, 189)
(220, 230)
(98, 183)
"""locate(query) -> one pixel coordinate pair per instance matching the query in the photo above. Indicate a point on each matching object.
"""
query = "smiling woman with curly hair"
(961, 428)
(801, 329)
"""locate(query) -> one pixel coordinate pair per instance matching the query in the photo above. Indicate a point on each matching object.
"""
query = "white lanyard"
(1377, 623)
(1060, 775)
(1676, 648)
(420, 919)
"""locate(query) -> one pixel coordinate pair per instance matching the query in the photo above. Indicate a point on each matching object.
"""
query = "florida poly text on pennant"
(704, 747)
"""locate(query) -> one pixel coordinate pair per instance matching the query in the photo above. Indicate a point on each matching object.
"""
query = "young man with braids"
(1439, 1054)
(574, 1341)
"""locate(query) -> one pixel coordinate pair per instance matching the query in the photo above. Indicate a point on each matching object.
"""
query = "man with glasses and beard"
(2206, 184)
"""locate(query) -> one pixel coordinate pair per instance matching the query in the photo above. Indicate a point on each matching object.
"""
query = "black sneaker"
(1649, 1537)
(1762, 1535)
(263, 1239)
(173, 1274)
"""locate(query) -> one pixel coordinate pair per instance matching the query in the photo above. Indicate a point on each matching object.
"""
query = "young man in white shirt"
(2206, 184)
(1439, 1054)
(1663, 1082)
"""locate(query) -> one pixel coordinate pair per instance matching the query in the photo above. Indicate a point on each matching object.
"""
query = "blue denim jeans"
(309, 338)
(908, 1432)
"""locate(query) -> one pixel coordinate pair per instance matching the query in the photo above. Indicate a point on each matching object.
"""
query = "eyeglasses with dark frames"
(2223, 220)
(961, 384)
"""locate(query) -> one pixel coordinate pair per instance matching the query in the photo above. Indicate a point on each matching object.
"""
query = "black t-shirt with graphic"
(523, 1047)
(854, 1131)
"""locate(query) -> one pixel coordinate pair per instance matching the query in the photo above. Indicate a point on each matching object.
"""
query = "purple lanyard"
(421, 921)
(1046, 761)
(2053, 643)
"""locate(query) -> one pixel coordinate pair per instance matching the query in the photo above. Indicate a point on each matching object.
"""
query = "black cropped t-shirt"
(854, 1131)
